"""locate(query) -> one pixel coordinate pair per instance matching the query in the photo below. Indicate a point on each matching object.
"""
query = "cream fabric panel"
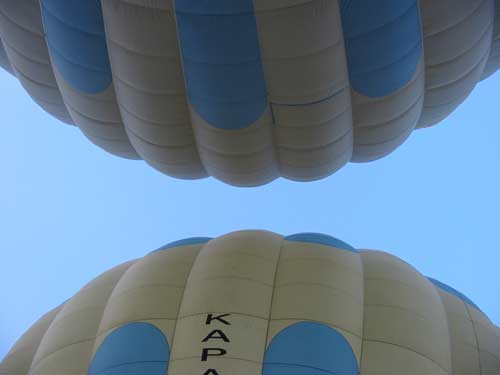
(18, 360)
(149, 84)
(234, 275)
(307, 81)
(457, 42)
(23, 38)
(464, 355)
(488, 341)
(136, 296)
(66, 347)
(405, 325)
(329, 282)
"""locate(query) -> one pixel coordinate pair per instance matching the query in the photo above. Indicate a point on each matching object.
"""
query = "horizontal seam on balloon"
(316, 148)
(69, 25)
(153, 123)
(267, 170)
(151, 319)
(334, 263)
(141, 53)
(38, 83)
(266, 59)
(390, 121)
(336, 326)
(226, 100)
(183, 358)
(396, 307)
(373, 70)
(19, 25)
(285, 8)
(336, 93)
(395, 281)
(465, 75)
(322, 285)
(240, 13)
(410, 350)
(109, 123)
(160, 145)
(314, 125)
(239, 278)
(391, 21)
(252, 61)
(127, 364)
(453, 103)
(24, 55)
(61, 54)
(248, 254)
(145, 91)
(484, 33)
(403, 135)
(46, 357)
(299, 366)
(458, 22)
(235, 155)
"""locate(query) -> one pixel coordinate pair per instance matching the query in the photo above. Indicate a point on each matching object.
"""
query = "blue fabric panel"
(321, 239)
(310, 348)
(383, 41)
(184, 242)
(133, 349)
(76, 38)
(221, 55)
(453, 291)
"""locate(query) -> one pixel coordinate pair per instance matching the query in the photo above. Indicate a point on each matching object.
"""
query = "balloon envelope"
(255, 302)
(250, 90)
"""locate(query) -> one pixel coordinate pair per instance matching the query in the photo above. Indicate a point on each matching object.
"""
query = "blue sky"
(68, 211)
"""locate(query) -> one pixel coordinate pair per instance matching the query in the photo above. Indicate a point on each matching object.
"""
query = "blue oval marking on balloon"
(453, 291)
(383, 41)
(76, 38)
(184, 242)
(310, 348)
(135, 348)
(223, 68)
(322, 239)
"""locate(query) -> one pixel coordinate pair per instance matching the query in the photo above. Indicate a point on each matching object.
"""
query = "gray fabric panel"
(4, 60)
(457, 40)
(382, 124)
(23, 39)
(149, 85)
(493, 63)
(98, 118)
(308, 85)
(239, 157)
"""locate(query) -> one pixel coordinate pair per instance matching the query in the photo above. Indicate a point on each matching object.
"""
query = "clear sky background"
(69, 211)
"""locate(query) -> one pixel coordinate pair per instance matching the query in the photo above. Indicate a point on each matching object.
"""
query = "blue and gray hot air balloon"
(250, 90)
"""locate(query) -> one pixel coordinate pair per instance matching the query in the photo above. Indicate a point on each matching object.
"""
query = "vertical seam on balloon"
(271, 302)
(173, 14)
(94, 339)
(475, 337)
(182, 300)
(276, 154)
(341, 6)
(364, 314)
(447, 324)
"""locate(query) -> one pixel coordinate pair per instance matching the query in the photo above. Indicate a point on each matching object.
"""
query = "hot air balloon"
(250, 90)
(255, 302)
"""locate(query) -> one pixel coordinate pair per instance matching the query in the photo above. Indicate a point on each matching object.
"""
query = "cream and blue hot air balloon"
(258, 303)
(250, 90)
